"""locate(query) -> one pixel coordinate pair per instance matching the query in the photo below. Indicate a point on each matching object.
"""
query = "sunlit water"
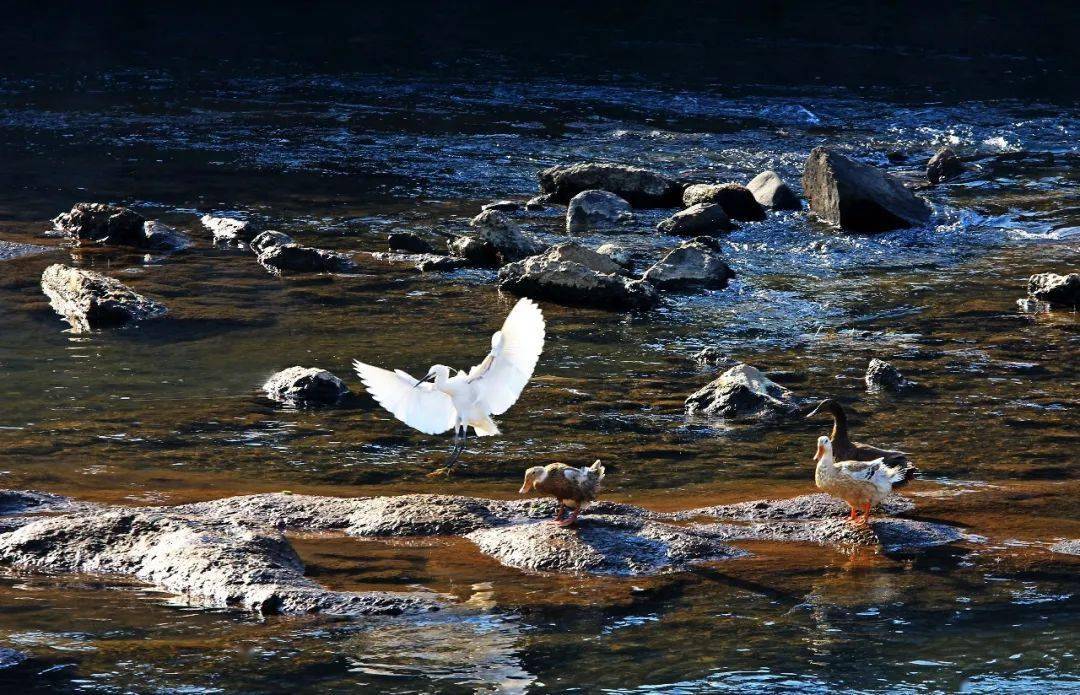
(171, 411)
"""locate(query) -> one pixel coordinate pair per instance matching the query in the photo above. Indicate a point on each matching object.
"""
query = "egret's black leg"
(459, 446)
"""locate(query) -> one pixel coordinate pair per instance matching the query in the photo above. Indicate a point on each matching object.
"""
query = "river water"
(171, 412)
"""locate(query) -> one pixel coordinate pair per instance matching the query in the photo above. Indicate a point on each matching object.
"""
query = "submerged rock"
(10, 658)
(504, 236)
(31, 501)
(714, 357)
(162, 237)
(891, 533)
(571, 274)
(595, 208)
(858, 197)
(268, 239)
(639, 187)
(407, 242)
(882, 376)
(1063, 290)
(305, 386)
(424, 262)
(422, 515)
(698, 219)
(473, 250)
(618, 253)
(601, 545)
(943, 166)
(1069, 547)
(737, 200)
(88, 300)
(742, 392)
(540, 202)
(102, 223)
(10, 250)
(502, 206)
(304, 259)
(772, 192)
(695, 264)
(229, 230)
(218, 564)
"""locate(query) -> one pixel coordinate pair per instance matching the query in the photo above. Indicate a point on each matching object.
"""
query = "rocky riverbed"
(202, 496)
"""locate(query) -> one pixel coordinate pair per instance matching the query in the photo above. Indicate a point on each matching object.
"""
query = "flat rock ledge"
(230, 553)
(822, 519)
(211, 563)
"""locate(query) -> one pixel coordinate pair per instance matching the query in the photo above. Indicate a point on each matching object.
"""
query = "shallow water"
(171, 412)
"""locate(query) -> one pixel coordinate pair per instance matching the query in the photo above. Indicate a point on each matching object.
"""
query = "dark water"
(177, 121)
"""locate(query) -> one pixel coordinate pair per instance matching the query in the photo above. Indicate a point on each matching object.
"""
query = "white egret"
(440, 402)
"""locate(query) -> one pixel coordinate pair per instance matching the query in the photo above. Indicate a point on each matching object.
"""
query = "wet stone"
(304, 259)
(700, 218)
(943, 166)
(858, 197)
(736, 200)
(1063, 290)
(1070, 547)
(102, 223)
(264, 241)
(692, 265)
(88, 300)
(10, 250)
(596, 209)
(305, 387)
(771, 191)
(742, 392)
(883, 376)
(498, 230)
(229, 230)
(407, 242)
(640, 187)
(600, 545)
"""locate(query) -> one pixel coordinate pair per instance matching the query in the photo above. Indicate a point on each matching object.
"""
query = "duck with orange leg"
(573, 488)
(862, 484)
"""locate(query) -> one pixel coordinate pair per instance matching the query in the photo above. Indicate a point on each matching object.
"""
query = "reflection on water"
(170, 412)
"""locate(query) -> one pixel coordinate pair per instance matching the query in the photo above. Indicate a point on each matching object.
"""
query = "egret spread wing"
(420, 407)
(500, 378)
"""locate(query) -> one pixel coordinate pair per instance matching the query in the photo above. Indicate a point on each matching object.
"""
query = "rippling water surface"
(171, 412)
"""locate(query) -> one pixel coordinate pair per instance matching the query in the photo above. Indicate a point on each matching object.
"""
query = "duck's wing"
(421, 407)
(861, 470)
(503, 374)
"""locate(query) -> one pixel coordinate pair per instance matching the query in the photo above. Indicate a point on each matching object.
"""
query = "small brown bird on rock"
(572, 487)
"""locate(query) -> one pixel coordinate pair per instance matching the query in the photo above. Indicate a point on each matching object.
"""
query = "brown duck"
(846, 450)
(572, 487)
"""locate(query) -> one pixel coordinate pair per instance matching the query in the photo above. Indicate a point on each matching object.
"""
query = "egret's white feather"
(515, 349)
(421, 407)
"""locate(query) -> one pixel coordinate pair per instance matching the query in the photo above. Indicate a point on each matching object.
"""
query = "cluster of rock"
(105, 224)
(743, 392)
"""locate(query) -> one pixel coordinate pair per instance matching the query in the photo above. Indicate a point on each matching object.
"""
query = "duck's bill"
(524, 489)
(814, 412)
(820, 453)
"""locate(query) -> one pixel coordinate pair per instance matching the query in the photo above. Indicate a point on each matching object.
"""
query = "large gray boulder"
(305, 387)
(89, 300)
(640, 187)
(569, 273)
(509, 242)
(304, 259)
(229, 230)
(1063, 290)
(696, 220)
(943, 166)
(858, 197)
(771, 191)
(737, 200)
(592, 209)
(694, 264)
(216, 564)
(601, 545)
(102, 223)
(742, 392)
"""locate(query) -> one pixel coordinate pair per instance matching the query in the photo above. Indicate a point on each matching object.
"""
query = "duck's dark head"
(828, 407)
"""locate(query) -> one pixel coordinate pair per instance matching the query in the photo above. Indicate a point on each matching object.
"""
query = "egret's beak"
(820, 453)
(430, 377)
